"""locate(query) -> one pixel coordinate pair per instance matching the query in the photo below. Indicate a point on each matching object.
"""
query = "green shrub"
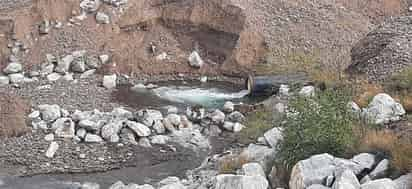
(257, 124)
(401, 81)
(323, 124)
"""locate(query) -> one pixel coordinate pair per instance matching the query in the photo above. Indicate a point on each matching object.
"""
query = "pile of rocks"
(13, 72)
(144, 127)
(78, 62)
(324, 171)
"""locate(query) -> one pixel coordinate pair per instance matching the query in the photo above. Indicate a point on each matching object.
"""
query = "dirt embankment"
(214, 28)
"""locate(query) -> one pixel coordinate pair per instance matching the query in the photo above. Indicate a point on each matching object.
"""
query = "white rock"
(159, 139)
(81, 133)
(228, 107)
(122, 113)
(89, 125)
(78, 65)
(140, 129)
(260, 154)
(90, 185)
(34, 115)
(379, 184)
(92, 138)
(162, 56)
(346, 180)
(195, 60)
(4, 80)
(236, 117)
(174, 119)
(63, 65)
(49, 113)
(149, 117)
(145, 142)
(274, 136)
(203, 79)
(159, 127)
(90, 5)
(217, 116)
(253, 169)
(49, 137)
(117, 185)
(104, 58)
(226, 181)
(53, 147)
(16, 78)
(110, 131)
(13, 67)
(102, 18)
(317, 186)
(404, 182)
(284, 90)
(366, 160)
(68, 77)
(109, 81)
(64, 128)
(314, 169)
(228, 125)
(380, 170)
(384, 109)
(237, 127)
(53, 77)
(87, 74)
(307, 91)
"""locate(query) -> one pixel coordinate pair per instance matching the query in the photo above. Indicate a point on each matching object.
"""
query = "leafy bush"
(320, 124)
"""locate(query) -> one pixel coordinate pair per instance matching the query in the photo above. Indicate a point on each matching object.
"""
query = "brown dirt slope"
(231, 35)
(12, 116)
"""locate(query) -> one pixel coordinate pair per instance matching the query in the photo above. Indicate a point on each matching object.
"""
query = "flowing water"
(182, 94)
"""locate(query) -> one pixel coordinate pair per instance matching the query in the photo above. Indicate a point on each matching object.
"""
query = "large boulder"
(384, 51)
(346, 180)
(140, 129)
(110, 131)
(241, 182)
(109, 81)
(317, 168)
(384, 109)
(379, 184)
(260, 154)
(404, 182)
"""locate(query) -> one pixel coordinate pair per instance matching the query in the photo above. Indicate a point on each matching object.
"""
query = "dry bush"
(12, 116)
(230, 163)
(365, 92)
(397, 148)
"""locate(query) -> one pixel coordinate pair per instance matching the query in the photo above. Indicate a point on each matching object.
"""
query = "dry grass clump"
(12, 116)
(397, 148)
(365, 92)
(230, 163)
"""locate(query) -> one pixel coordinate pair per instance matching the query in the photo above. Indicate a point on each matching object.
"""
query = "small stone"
(63, 65)
(217, 116)
(195, 60)
(53, 77)
(236, 117)
(82, 156)
(159, 139)
(159, 127)
(228, 125)
(228, 107)
(284, 90)
(307, 91)
(64, 128)
(90, 185)
(16, 78)
(92, 138)
(238, 127)
(104, 58)
(53, 147)
(203, 79)
(117, 185)
(87, 74)
(102, 18)
(174, 119)
(49, 113)
(81, 133)
(44, 27)
(109, 81)
(78, 65)
(13, 68)
(49, 137)
(140, 129)
(34, 115)
(274, 136)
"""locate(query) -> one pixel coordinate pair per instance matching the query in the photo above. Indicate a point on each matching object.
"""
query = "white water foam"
(201, 96)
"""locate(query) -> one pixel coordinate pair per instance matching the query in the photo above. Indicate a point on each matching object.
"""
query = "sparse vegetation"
(322, 124)
(231, 163)
(398, 149)
(257, 124)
